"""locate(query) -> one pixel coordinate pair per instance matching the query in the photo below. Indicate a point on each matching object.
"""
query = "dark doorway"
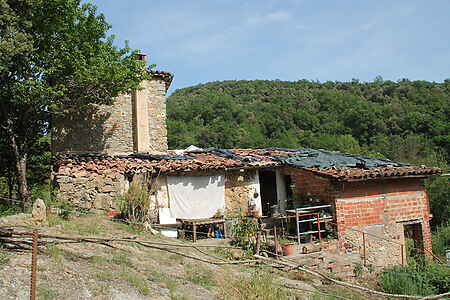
(268, 188)
(413, 239)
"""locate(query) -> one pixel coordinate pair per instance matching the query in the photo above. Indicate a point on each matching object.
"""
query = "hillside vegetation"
(406, 121)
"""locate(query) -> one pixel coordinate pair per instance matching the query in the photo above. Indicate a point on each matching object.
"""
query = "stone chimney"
(141, 134)
(134, 123)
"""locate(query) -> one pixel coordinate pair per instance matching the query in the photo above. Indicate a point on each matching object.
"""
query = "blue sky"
(338, 40)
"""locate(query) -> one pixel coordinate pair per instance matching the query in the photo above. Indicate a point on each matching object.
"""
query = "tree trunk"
(10, 180)
(21, 169)
(24, 193)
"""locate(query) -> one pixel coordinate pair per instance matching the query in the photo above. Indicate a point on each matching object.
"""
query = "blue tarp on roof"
(322, 159)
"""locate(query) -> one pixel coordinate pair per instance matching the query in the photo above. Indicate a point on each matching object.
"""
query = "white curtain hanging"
(196, 197)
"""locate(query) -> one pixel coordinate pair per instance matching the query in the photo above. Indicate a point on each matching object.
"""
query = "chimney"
(141, 134)
(142, 56)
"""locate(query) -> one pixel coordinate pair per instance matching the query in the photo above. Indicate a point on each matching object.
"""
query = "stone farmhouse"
(366, 203)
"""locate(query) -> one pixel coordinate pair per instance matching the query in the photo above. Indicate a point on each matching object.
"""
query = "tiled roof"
(165, 76)
(220, 159)
(354, 174)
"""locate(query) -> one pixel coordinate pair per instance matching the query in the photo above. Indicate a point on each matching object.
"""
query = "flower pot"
(256, 213)
(288, 249)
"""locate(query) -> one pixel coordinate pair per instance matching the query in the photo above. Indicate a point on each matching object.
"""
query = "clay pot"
(288, 249)
(256, 213)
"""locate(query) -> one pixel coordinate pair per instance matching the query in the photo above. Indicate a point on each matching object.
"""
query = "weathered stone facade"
(93, 187)
(240, 188)
(113, 128)
(96, 128)
(90, 189)
(156, 90)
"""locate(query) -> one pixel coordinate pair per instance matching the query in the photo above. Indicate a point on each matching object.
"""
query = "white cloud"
(276, 16)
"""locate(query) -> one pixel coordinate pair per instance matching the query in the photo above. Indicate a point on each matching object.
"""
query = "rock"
(101, 201)
(39, 212)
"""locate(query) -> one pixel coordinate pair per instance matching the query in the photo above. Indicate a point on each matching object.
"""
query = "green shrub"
(8, 209)
(416, 279)
(243, 232)
(43, 191)
(439, 276)
(441, 240)
(135, 204)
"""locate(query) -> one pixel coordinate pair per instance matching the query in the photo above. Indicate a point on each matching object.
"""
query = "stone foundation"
(91, 190)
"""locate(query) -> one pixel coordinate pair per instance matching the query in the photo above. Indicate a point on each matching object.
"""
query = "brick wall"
(309, 186)
(388, 203)
(376, 207)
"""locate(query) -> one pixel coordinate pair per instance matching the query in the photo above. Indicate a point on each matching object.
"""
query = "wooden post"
(298, 226)
(225, 229)
(194, 234)
(34, 254)
(318, 227)
(403, 254)
(364, 247)
(275, 236)
(258, 243)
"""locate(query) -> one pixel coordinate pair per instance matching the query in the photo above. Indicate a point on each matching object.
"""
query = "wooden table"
(195, 222)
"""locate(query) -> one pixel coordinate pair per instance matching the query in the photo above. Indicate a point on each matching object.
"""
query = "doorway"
(268, 189)
(413, 239)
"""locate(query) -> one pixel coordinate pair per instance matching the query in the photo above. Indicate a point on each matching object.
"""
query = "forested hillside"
(407, 121)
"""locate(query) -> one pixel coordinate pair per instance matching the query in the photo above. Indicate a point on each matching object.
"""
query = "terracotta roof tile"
(165, 76)
(219, 159)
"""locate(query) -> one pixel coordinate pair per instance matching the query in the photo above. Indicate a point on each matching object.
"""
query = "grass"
(336, 293)
(105, 275)
(135, 280)
(200, 276)
(98, 260)
(46, 293)
(4, 257)
(168, 281)
(91, 229)
(55, 253)
(121, 258)
(54, 220)
(130, 228)
(258, 286)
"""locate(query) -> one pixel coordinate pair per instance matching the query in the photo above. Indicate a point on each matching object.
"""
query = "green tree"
(55, 56)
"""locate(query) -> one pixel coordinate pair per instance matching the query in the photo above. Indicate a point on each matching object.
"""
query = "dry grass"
(136, 269)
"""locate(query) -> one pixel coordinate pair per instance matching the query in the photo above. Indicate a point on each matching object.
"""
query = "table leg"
(224, 230)
(194, 235)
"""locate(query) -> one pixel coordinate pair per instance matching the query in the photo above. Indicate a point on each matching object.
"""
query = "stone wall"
(95, 129)
(159, 195)
(90, 189)
(112, 128)
(100, 191)
(238, 191)
(383, 243)
(156, 90)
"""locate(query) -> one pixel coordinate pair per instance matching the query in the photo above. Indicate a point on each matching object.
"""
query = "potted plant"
(287, 247)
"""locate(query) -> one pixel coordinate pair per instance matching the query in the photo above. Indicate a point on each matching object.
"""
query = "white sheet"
(196, 197)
